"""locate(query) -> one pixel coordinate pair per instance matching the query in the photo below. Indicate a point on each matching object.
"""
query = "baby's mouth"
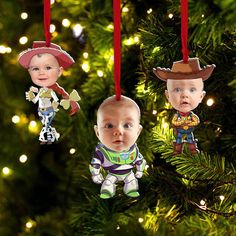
(41, 79)
(117, 141)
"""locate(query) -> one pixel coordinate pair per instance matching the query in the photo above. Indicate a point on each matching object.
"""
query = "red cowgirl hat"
(182, 71)
(39, 47)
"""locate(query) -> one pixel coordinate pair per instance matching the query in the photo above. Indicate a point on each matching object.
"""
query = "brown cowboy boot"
(193, 148)
(178, 148)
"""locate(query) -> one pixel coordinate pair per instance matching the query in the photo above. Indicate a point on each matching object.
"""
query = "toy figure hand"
(55, 105)
(29, 95)
(34, 89)
(97, 179)
(138, 174)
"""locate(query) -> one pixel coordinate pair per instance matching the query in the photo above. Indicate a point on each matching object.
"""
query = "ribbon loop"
(117, 47)
(47, 22)
(184, 29)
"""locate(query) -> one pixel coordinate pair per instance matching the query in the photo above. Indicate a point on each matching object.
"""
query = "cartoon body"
(119, 166)
(47, 108)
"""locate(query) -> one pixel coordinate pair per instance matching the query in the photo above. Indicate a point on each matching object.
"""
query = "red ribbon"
(47, 22)
(184, 29)
(117, 47)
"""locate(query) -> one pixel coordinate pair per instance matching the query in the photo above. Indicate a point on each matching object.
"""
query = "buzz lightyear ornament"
(117, 153)
(185, 92)
(45, 65)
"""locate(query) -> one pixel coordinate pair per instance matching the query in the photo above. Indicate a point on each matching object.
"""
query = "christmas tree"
(47, 189)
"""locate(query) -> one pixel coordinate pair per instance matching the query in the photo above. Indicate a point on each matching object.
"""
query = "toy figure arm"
(30, 96)
(140, 166)
(94, 168)
(177, 122)
(55, 102)
(194, 120)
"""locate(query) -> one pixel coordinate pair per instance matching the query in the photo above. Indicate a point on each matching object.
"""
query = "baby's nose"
(184, 94)
(118, 131)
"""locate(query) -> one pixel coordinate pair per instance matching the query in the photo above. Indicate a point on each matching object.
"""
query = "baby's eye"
(193, 89)
(34, 68)
(177, 90)
(109, 126)
(48, 67)
(128, 125)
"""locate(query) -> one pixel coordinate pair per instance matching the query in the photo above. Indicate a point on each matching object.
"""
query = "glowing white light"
(85, 55)
(149, 11)
(72, 151)
(33, 126)
(24, 15)
(154, 112)
(140, 220)
(221, 197)
(125, 9)
(110, 27)
(170, 15)
(165, 125)
(33, 123)
(77, 30)
(23, 40)
(6, 171)
(210, 102)
(136, 39)
(202, 202)
(8, 50)
(118, 227)
(52, 1)
(203, 15)
(15, 119)
(2, 49)
(23, 158)
(52, 28)
(100, 73)
(85, 66)
(66, 23)
(29, 225)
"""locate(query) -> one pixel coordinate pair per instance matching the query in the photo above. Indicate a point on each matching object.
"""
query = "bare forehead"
(47, 57)
(124, 102)
(190, 82)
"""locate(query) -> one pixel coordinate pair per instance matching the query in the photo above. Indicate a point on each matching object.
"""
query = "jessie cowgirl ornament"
(45, 65)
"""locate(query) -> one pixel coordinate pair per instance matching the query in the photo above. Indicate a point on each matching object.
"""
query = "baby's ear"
(203, 94)
(96, 130)
(140, 129)
(60, 71)
(167, 94)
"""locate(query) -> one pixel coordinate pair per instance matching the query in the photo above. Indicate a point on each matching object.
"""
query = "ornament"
(117, 153)
(45, 65)
(185, 92)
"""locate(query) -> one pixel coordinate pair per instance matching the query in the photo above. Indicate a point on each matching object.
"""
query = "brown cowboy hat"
(181, 71)
(39, 47)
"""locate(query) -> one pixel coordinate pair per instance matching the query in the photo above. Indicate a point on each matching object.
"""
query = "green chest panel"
(120, 158)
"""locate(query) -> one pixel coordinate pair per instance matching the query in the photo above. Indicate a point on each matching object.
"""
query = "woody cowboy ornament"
(45, 65)
(184, 92)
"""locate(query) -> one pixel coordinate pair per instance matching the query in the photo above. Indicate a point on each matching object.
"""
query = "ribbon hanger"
(117, 47)
(46, 15)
